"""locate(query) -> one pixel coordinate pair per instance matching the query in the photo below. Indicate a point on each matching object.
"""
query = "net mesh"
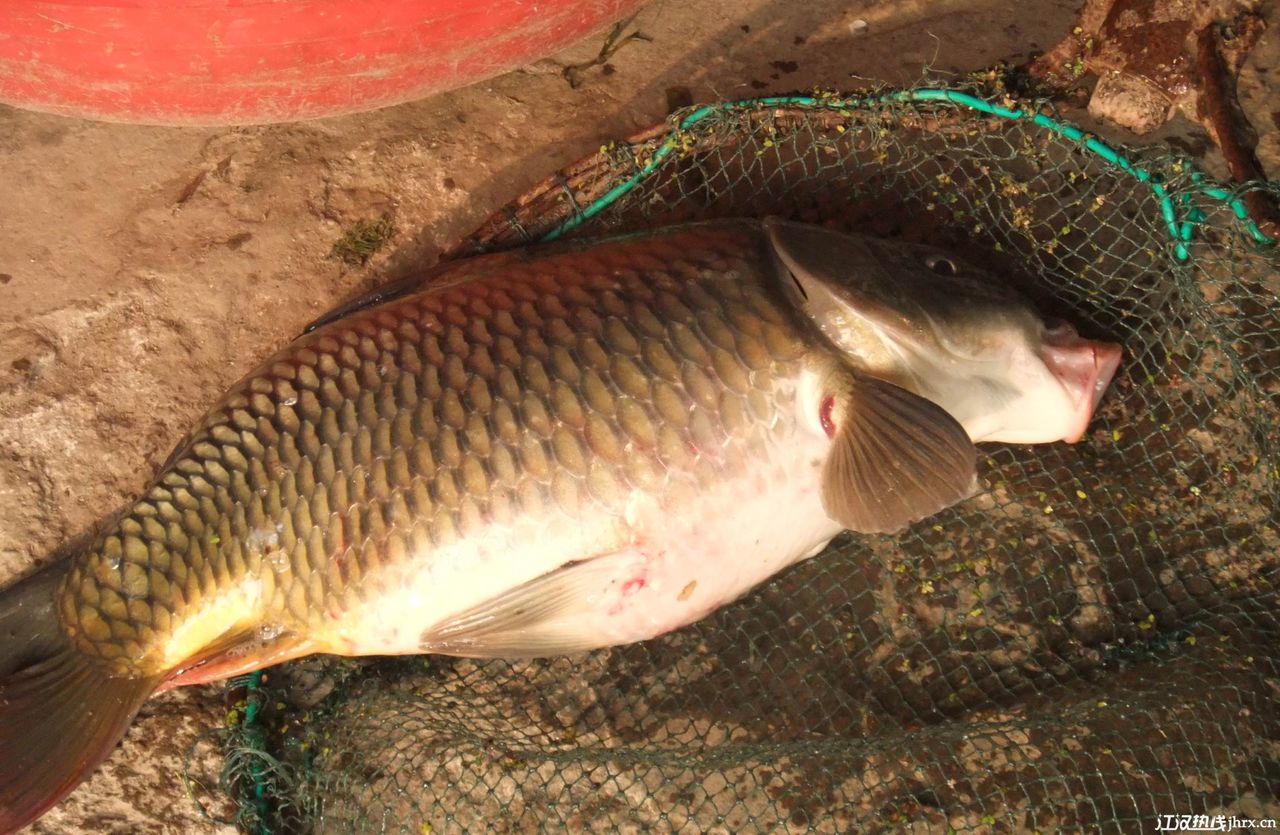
(1089, 643)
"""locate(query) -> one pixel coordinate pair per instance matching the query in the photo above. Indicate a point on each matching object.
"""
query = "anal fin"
(238, 651)
(536, 618)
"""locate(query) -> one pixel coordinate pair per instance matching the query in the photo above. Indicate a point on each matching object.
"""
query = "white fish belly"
(689, 565)
(663, 567)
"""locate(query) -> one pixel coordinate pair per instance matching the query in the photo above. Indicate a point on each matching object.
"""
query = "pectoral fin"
(897, 458)
(537, 618)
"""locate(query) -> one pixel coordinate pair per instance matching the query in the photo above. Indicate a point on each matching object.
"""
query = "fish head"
(918, 317)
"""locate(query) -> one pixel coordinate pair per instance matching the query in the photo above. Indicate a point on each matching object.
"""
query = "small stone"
(1130, 102)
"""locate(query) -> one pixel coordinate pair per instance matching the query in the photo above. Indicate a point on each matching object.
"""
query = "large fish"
(535, 453)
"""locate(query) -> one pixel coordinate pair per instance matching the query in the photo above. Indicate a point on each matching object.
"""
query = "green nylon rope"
(253, 737)
(1179, 229)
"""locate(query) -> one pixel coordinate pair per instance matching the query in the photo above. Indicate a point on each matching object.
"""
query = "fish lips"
(1084, 367)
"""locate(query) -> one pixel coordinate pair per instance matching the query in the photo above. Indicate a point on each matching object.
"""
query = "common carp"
(532, 453)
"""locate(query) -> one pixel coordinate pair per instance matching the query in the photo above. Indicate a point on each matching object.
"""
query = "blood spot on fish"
(826, 417)
(629, 588)
(687, 591)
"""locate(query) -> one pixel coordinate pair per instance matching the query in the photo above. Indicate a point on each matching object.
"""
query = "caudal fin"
(60, 713)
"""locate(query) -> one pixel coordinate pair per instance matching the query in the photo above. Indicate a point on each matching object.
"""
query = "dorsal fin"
(378, 295)
(441, 275)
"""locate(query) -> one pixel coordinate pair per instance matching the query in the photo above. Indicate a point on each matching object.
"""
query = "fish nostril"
(941, 265)
(1054, 326)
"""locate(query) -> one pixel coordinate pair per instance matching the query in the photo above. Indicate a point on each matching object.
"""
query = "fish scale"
(549, 389)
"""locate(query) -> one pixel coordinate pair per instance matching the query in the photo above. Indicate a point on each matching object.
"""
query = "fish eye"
(941, 265)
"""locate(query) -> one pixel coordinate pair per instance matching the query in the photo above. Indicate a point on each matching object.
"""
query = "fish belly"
(656, 567)
(693, 564)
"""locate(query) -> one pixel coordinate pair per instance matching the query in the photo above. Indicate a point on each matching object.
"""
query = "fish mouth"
(1084, 367)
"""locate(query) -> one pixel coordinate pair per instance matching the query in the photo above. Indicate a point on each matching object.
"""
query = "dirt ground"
(143, 270)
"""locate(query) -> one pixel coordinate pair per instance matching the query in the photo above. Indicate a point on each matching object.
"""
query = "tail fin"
(28, 626)
(60, 713)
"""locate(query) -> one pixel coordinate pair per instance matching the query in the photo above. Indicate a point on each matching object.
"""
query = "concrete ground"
(143, 269)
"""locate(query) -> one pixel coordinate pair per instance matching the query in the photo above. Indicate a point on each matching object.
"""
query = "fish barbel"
(534, 453)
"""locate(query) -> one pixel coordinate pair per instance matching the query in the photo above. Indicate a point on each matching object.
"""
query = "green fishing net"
(1087, 645)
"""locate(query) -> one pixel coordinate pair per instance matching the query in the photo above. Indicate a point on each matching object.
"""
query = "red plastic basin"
(221, 62)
